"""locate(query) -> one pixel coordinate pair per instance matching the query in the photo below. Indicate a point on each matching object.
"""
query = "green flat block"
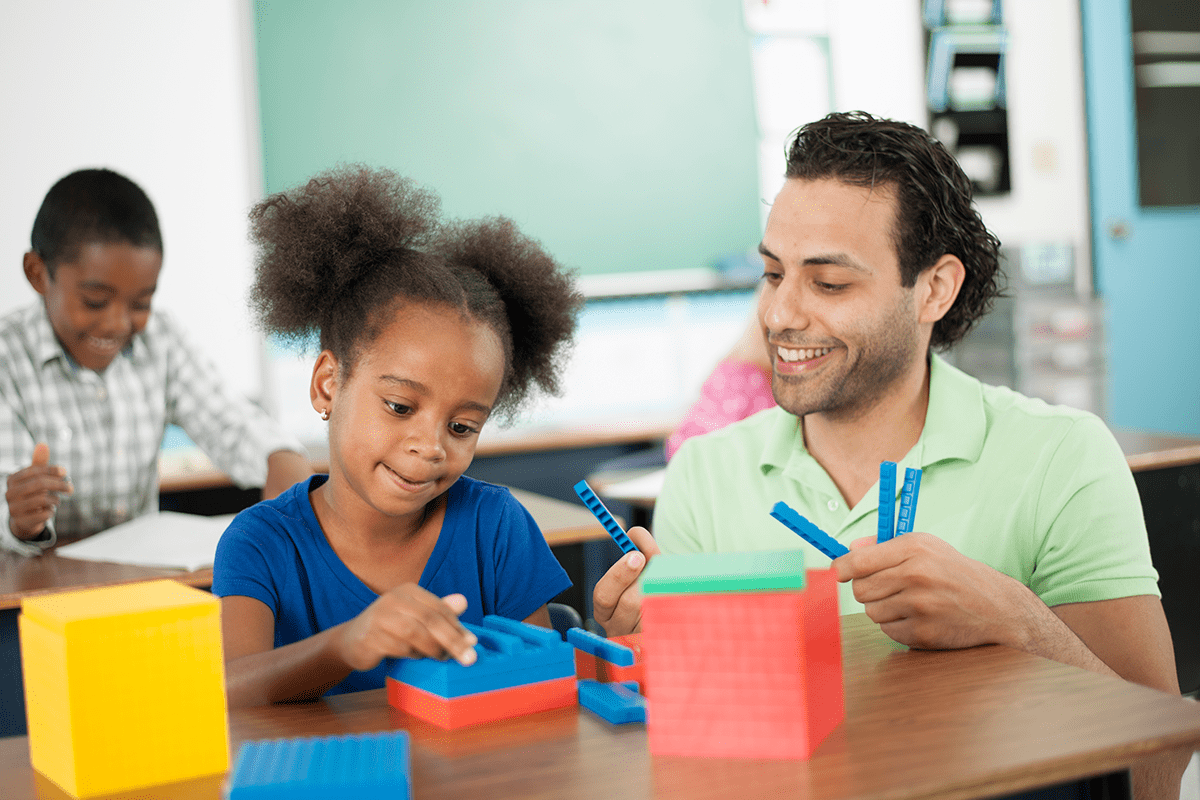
(706, 573)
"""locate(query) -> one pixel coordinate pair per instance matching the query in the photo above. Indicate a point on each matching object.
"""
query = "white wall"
(164, 93)
(816, 56)
(159, 92)
(876, 63)
(877, 53)
(1047, 133)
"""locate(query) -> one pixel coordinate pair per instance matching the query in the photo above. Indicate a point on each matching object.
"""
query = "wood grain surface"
(942, 725)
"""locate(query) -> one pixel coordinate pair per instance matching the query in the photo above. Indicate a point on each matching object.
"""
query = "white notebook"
(164, 539)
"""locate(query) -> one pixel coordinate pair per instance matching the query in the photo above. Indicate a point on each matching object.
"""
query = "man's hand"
(925, 594)
(617, 601)
(33, 492)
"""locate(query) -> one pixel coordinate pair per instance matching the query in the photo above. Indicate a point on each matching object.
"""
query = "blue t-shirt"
(489, 550)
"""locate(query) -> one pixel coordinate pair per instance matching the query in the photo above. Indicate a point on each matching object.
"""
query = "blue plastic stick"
(616, 702)
(908, 500)
(606, 519)
(887, 501)
(602, 648)
(808, 532)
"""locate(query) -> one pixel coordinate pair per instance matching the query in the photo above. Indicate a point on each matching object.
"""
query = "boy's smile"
(98, 301)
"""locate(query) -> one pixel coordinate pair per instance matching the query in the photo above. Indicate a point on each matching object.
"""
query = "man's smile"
(803, 354)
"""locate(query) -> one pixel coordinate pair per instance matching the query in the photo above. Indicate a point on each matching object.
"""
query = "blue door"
(1142, 73)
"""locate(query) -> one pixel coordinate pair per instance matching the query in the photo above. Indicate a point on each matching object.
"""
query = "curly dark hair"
(354, 243)
(935, 215)
(92, 206)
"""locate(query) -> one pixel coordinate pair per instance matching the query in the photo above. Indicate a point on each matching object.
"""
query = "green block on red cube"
(708, 573)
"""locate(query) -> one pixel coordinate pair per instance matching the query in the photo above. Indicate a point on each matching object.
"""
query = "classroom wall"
(159, 91)
(620, 134)
(1047, 137)
(639, 120)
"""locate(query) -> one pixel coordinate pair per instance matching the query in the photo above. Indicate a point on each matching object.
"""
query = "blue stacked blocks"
(367, 767)
(519, 669)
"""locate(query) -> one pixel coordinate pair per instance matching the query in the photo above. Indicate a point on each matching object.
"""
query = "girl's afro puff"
(355, 242)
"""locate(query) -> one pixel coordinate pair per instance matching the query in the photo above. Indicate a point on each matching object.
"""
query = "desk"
(566, 526)
(1167, 472)
(1146, 451)
(944, 725)
(561, 523)
(191, 470)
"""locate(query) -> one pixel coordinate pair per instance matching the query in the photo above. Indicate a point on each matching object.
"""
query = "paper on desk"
(165, 539)
(644, 486)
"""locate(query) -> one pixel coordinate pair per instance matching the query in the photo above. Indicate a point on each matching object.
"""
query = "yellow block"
(124, 686)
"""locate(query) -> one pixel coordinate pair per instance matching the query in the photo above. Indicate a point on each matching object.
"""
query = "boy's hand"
(616, 600)
(408, 622)
(33, 494)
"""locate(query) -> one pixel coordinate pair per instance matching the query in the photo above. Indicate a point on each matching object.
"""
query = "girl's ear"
(324, 383)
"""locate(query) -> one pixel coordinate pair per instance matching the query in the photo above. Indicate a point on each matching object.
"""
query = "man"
(1029, 530)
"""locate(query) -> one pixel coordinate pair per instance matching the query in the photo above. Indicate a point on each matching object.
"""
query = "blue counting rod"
(908, 501)
(807, 531)
(606, 519)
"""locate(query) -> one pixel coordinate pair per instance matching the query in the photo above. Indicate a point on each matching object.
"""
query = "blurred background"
(641, 141)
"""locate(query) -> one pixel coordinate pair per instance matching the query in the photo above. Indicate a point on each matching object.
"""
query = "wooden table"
(942, 725)
(1146, 451)
(21, 576)
(566, 526)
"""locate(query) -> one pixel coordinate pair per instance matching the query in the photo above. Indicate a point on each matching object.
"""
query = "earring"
(325, 414)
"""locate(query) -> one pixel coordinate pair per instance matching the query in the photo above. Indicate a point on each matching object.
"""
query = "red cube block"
(743, 674)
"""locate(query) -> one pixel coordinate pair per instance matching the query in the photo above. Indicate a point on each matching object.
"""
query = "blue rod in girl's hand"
(807, 531)
(887, 501)
(908, 501)
(606, 519)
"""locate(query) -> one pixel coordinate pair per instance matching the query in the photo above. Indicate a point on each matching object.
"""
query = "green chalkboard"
(620, 133)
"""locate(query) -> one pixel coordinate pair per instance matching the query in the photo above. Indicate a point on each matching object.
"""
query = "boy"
(89, 378)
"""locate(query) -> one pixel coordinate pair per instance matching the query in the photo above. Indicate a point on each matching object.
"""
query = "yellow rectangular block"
(124, 686)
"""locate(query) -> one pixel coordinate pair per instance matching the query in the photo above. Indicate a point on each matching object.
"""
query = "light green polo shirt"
(1039, 492)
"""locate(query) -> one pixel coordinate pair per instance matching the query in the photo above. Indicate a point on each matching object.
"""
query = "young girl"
(426, 331)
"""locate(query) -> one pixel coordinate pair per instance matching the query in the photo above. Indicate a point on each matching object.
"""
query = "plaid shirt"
(106, 428)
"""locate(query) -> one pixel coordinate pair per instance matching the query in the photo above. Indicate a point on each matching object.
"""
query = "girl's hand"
(408, 622)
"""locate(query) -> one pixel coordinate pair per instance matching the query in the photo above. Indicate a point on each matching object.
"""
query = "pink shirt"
(734, 391)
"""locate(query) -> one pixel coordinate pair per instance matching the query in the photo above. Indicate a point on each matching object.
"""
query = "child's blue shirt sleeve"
(490, 550)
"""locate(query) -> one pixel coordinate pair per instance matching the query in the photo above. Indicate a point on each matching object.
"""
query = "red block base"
(473, 709)
(597, 669)
(744, 675)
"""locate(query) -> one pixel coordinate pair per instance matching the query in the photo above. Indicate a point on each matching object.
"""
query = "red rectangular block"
(586, 665)
(597, 669)
(746, 689)
(731, 712)
(473, 709)
(763, 680)
(614, 674)
(726, 744)
(718, 617)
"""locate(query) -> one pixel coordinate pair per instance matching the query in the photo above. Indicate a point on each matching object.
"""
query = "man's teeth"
(802, 355)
